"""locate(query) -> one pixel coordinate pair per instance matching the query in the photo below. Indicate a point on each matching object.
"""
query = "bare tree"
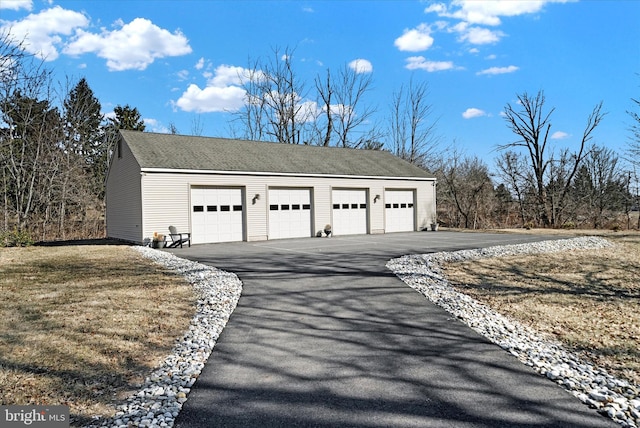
(196, 126)
(465, 191)
(512, 169)
(634, 139)
(275, 107)
(412, 130)
(600, 186)
(325, 89)
(531, 123)
(30, 132)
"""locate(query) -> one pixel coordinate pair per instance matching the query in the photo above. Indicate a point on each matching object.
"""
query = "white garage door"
(289, 213)
(399, 210)
(349, 212)
(216, 215)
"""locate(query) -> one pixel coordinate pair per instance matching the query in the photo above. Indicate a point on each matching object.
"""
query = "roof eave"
(279, 174)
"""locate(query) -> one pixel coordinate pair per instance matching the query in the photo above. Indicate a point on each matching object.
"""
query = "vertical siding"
(256, 212)
(166, 199)
(123, 197)
(321, 205)
(376, 209)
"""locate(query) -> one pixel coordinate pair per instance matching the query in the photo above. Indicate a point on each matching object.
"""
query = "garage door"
(399, 210)
(349, 211)
(289, 213)
(216, 215)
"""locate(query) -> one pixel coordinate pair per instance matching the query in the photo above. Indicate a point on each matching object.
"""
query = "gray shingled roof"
(170, 151)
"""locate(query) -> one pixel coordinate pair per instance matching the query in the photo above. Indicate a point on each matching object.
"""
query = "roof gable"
(180, 152)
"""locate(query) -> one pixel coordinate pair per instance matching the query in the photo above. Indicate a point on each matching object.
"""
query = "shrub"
(16, 238)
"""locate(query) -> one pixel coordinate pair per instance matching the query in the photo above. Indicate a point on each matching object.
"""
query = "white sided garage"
(225, 190)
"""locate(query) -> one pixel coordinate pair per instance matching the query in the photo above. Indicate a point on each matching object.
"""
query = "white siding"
(124, 197)
(167, 203)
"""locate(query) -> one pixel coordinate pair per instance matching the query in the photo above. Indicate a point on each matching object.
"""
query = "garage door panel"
(349, 211)
(289, 213)
(399, 211)
(217, 215)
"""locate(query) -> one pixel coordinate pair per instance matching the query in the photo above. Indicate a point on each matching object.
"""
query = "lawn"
(83, 325)
(587, 300)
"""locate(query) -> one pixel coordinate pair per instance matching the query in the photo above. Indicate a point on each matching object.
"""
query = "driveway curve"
(325, 336)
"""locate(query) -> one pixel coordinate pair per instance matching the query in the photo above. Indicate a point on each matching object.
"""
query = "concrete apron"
(325, 336)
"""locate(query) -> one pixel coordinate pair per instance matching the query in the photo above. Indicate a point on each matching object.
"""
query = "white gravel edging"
(160, 399)
(611, 396)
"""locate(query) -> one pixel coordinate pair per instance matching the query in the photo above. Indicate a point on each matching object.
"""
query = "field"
(587, 300)
(82, 325)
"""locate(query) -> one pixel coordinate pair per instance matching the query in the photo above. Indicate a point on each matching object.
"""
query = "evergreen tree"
(128, 117)
(84, 133)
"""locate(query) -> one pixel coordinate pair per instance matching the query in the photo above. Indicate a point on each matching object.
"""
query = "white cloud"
(308, 112)
(155, 126)
(42, 31)
(559, 135)
(415, 40)
(488, 12)
(223, 92)
(439, 8)
(479, 35)
(491, 57)
(183, 74)
(498, 70)
(473, 112)
(474, 15)
(135, 45)
(16, 4)
(361, 66)
(226, 75)
(421, 63)
(200, 64)
(211, 99)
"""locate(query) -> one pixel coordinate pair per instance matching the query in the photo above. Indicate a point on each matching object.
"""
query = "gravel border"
(163, 393)
(616, 398)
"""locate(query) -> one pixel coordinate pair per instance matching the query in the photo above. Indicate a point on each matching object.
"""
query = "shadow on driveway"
(325, 336)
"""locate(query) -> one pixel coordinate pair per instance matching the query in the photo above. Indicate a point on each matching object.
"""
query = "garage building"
(224, 190)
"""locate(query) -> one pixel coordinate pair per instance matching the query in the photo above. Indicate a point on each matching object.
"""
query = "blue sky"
(178, 61)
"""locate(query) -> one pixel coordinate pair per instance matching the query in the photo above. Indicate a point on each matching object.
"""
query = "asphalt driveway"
(325, 336)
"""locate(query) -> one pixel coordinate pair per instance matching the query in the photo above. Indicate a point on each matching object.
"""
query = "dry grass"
(83, 325)
(588, 300)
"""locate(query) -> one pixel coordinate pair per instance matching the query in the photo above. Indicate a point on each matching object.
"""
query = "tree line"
(55, 147)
